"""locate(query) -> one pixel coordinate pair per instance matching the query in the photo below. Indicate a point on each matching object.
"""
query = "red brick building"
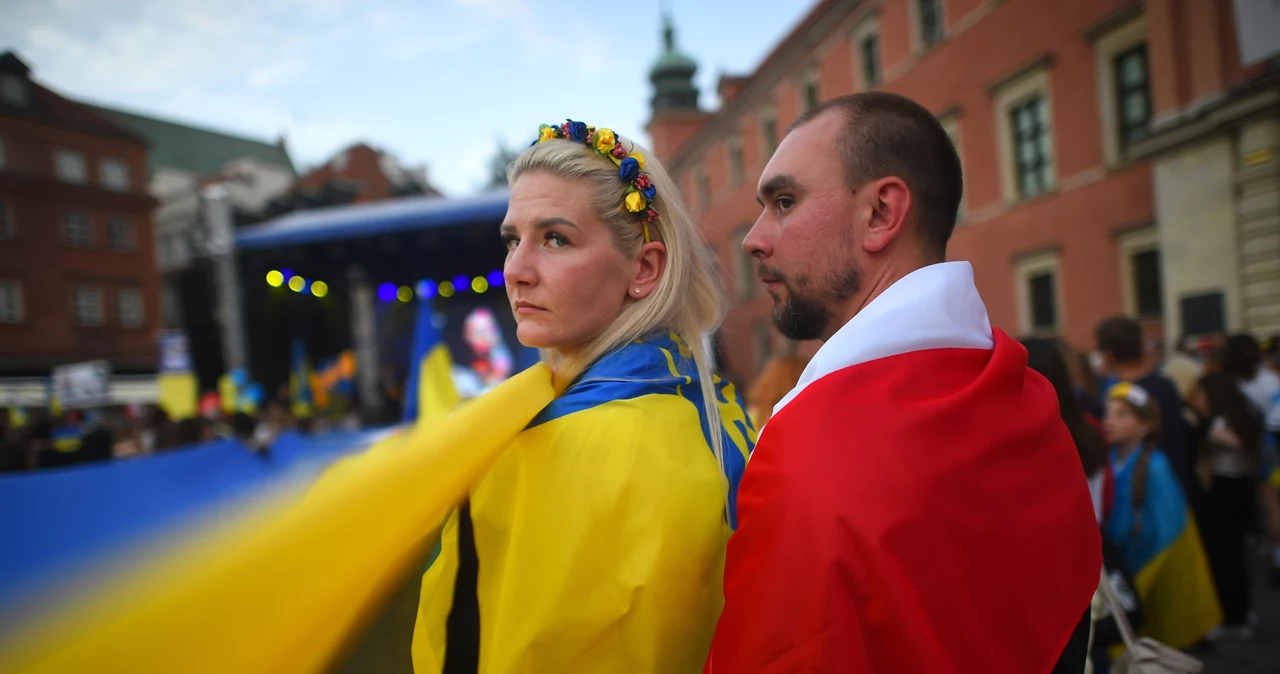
(77, 271)
(1059, 110)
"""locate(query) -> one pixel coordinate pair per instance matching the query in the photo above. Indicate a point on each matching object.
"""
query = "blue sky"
(435, 82)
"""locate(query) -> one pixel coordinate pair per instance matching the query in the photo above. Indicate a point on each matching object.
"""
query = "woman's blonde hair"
(688, 299)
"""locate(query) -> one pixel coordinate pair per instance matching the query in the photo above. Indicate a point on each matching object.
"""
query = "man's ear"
(890, 203)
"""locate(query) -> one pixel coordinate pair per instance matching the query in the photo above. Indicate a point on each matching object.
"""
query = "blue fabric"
(1174, 434)
(658, 364)
(59, 521)
(425, 338)
(1164, 513)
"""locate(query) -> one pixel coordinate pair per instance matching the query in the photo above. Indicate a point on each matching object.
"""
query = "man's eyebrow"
(508, 228)
(782, 182)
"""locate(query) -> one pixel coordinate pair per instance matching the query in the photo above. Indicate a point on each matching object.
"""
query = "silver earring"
(637, 291)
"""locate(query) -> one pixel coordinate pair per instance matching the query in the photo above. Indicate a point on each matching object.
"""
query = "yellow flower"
(605, 140)
(636, 201)
(546, 133)
(639, 159)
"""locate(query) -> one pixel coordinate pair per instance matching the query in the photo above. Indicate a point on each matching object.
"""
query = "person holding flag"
(915, 503)
(596, 541)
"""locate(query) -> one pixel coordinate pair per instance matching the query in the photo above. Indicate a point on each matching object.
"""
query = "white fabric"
(935, 307)
(1264, 392)
(1097, 486)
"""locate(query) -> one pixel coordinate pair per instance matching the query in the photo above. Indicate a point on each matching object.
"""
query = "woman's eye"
(510, 242)
(556, 240)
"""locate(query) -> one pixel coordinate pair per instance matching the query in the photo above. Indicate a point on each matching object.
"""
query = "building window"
(88, 305)
(746, 268)
(10, 302)
(769, 130)
(8, 229)
(869, 49)
(704, 190)
(120, 233)
(170, 308)
(1039, 294)
(1148, 289)
(1025, 134)
(13, 90)
(929, 12)
(1042, 289)
(810, 96)
(129, 310)
(951, 124)
(70, 167)
(1032, 146)
(1140, 272)
(734, 146)
(113, 175)
(764, 343)
(77, 230)
(1133, 95)
(2, 154)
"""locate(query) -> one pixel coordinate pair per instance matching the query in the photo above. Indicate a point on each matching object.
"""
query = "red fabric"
(919, 513)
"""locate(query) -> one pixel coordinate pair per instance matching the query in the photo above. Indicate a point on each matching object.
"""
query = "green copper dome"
(672, 74)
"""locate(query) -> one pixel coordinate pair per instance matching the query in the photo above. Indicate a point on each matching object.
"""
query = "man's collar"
(934, 307)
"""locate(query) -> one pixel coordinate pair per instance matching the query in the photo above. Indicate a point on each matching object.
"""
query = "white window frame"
(737, 170)
(810, 77)
(8, 226)
(96, 316)
(1020, 89)
(917, 29)
(768, 116)
(951, 124)
(866, 28)
(18, 314)
(67, 229)
(131, 240)
(64, 160)
(1028, 267)
(1128, 245)
(131, 321)
(1106, 48)
(108, 179)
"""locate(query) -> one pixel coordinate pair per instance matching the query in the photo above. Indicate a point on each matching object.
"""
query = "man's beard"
(806, 314)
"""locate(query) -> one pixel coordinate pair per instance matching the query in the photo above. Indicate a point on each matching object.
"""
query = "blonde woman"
(596, 544)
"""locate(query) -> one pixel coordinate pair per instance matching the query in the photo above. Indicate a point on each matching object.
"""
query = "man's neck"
(873, 285)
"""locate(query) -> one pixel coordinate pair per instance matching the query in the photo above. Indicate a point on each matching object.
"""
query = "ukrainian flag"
(429, 393)
(1162, 549)
(280, 583)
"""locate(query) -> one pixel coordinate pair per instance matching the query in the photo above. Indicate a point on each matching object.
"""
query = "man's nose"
(758, 242)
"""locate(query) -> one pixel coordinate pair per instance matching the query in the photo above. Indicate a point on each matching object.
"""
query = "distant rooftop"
(190, 148)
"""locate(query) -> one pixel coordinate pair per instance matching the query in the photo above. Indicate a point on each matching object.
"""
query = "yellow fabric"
(437, 395)
(1177, 593)
(279, 587)
(600, 538)
(178, 394)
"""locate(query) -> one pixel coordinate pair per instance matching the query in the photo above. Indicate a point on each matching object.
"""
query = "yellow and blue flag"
(1162, 549)
(429, 392)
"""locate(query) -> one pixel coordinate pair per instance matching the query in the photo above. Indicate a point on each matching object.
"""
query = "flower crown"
(1131, 393)
(640, 191)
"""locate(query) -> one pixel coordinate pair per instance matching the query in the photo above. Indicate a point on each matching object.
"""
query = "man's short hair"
(1120, 338)
(891, 135)
(1241, 356)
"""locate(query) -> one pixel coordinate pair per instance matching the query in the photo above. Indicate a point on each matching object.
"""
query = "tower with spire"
(676, 116)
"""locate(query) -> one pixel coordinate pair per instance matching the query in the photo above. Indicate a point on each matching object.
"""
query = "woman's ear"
(647, 269)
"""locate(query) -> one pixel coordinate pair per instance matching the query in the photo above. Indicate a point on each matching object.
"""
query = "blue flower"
(628, 170)
(649, 192)
(578, 131)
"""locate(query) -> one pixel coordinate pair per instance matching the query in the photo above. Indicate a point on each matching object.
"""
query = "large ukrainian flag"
(280, 584)
(1162, 548)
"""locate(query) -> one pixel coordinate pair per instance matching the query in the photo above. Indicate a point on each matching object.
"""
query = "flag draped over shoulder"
(1164, 554)
(429, 392)
(281, 584)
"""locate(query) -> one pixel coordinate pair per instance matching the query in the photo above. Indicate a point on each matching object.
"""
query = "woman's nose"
(519, 267)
